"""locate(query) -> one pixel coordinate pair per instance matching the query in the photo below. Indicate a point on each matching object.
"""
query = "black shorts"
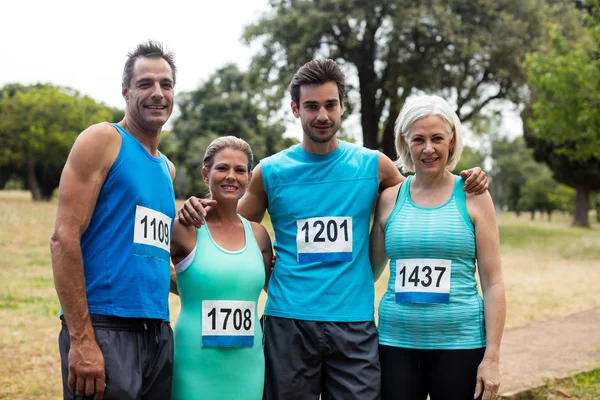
(412, 374)
(305, 359)
(138, 358)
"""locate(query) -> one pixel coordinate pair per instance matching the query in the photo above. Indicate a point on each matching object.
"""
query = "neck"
(149, 138)
(223, 212)
(430, 181)
(317, 148)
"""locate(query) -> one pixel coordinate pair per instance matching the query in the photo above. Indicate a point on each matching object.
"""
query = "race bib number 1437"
(423, 280)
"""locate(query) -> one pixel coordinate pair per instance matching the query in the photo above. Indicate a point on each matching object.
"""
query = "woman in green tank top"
(437, 335)
(221, 269)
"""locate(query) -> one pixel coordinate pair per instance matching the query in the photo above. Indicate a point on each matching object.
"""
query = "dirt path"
(551, 349)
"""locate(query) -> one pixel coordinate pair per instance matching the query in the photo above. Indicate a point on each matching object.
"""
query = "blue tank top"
(423, 245)
(320, 207)
(126, 245)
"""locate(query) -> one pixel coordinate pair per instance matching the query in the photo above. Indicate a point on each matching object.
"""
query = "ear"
(125, 91)
(452, 143)
(295, 109)
(205, 175)
(342, 107)
(249, 177)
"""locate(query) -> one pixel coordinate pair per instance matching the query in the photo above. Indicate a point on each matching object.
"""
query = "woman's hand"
(488, 379)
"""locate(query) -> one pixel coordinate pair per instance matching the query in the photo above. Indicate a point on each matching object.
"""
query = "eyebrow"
(311, 102)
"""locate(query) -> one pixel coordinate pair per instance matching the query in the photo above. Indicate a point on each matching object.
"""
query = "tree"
(38, 125)
(225, 104)
(543, 194)
(469, 52)
(562, 121)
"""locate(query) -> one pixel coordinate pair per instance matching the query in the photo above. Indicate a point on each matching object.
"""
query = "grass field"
(550, 270)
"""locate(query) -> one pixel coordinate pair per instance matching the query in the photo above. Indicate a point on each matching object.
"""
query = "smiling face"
(320, 111)
(228, 176)
(150, 93)
(429, 144)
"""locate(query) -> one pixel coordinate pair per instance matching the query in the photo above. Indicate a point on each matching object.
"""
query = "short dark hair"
(317, 72)
(149, 49)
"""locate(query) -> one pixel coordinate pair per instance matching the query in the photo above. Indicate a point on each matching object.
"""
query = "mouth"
(156, 107)
(229, 188)
(429, 161)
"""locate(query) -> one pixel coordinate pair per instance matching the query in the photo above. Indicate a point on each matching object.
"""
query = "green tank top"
(217, 337)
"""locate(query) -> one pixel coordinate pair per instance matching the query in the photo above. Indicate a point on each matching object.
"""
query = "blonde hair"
(226, 142)
(421, 107)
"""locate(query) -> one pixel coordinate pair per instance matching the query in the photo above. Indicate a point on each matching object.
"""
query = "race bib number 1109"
(152, 228)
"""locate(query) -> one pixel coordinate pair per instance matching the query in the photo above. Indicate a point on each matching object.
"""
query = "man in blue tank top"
(319, 332)
(110, 247)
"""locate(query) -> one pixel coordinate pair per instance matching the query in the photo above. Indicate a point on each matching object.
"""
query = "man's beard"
(318, 139)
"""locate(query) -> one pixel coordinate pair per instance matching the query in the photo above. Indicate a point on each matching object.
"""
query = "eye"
(167, 86)
(331, 106)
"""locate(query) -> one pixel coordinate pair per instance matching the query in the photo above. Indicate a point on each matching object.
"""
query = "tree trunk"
(32, 182)
(369, 118)
(598, 210)
(533, 215)
(549, 216)
(582, 206)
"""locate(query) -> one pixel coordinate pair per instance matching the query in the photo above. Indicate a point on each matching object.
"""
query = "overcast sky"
(84, 44)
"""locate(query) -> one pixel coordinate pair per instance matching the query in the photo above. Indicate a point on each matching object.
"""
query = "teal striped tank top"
(420, 312)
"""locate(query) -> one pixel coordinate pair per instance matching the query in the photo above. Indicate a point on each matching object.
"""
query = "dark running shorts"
(138, 357)
(337, 360)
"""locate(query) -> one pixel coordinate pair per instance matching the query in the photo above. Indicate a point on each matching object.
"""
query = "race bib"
(423, 280)
(228, 323)
(152, 228)
(325, 239)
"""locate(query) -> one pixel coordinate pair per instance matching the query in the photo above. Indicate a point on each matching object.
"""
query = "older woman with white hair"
(437, 335)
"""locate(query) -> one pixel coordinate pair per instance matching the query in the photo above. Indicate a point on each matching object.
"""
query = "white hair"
(421, 107)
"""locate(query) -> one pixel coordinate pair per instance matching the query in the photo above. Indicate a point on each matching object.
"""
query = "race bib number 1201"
(324, 239)
(152, 228)
(423, 280)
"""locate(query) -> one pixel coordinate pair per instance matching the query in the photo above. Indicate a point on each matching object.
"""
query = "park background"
(522, 75)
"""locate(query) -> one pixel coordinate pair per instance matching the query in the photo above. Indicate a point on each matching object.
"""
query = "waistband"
(121, 323)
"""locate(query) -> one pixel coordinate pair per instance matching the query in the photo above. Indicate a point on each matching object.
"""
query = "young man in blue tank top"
(319, 331)
(110, 247)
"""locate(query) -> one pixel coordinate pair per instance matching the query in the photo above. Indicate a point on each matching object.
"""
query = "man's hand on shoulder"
(475, 181)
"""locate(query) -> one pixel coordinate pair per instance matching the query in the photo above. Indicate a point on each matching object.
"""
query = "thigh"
(352, 368)
(292, 359)
(121, 362)
(158, 375)
(453, 374)
(402, 374)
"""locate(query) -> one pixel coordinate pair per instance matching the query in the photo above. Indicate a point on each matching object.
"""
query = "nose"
(157, 91)
(322, 116)
(428, 146)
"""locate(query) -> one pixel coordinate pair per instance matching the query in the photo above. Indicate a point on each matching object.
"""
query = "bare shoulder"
(480, 206)
(98, 145)
(389, 175)
(385, 204)
(171, 168)
(260, 232)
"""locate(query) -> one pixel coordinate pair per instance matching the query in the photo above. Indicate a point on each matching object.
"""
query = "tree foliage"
(225, 104)
(562, 121)
(468, 51)
(38, 126)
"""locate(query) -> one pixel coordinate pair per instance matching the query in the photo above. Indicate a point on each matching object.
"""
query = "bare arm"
(377, 254)
(183, 241)
(388, 173)
(264, 242)
(87, 166)
(481, 210)
(253, 204)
